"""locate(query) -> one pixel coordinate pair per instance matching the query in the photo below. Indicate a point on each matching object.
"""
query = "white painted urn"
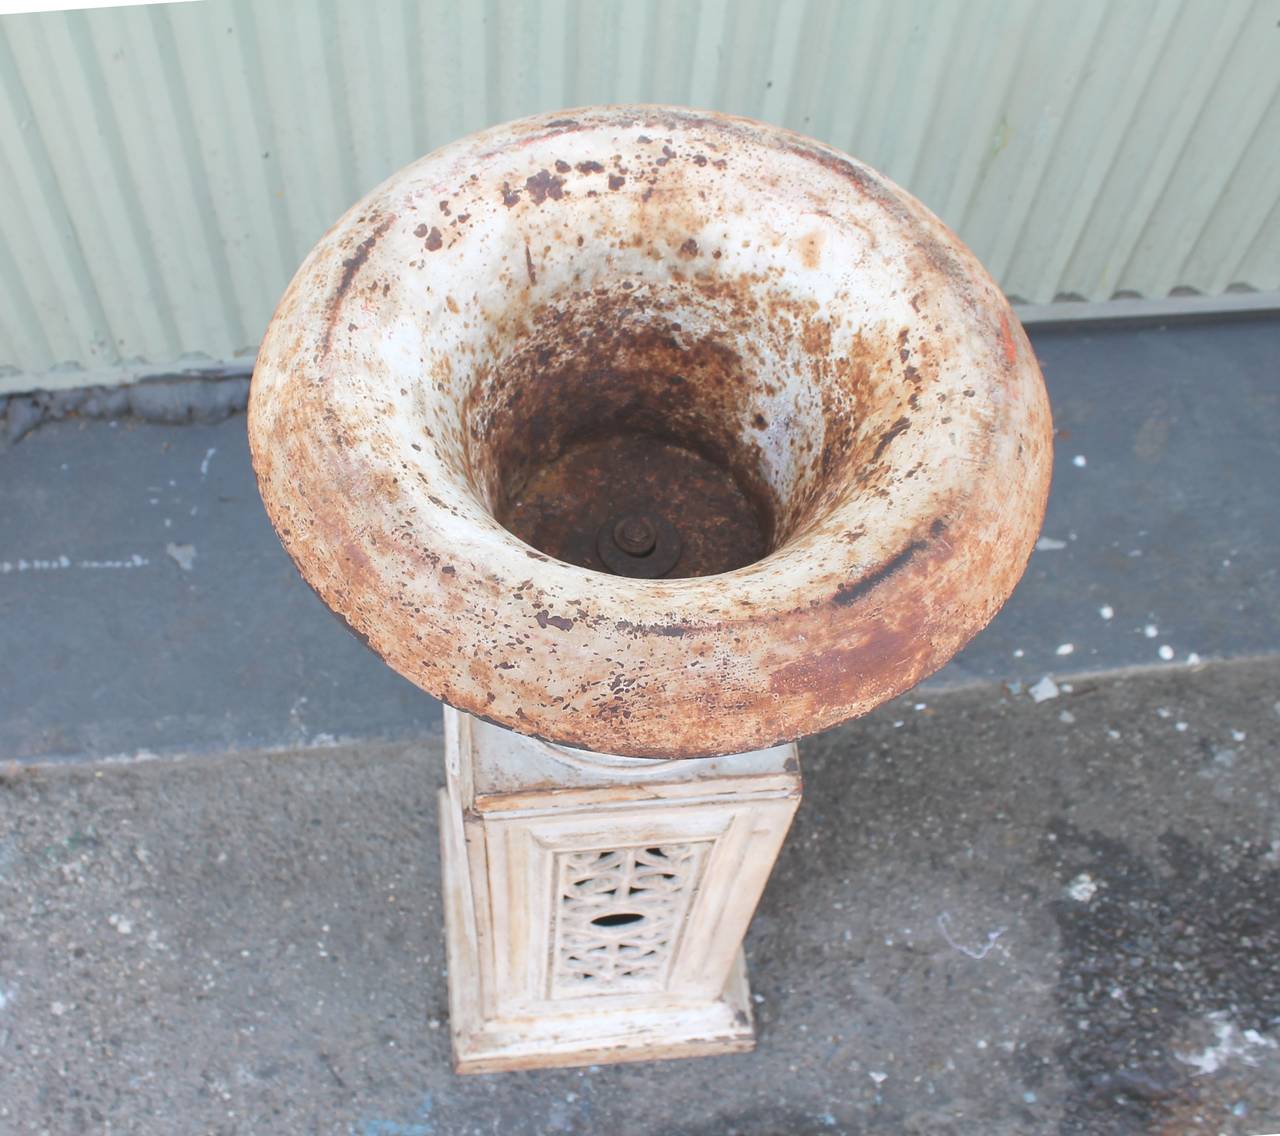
(651, 431)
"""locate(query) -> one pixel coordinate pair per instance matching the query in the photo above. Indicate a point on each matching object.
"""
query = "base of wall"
(582, 1038)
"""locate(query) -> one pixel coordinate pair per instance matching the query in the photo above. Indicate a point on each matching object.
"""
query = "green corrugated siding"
(164, 169)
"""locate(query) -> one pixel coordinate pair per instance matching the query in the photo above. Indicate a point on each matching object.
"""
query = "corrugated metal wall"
(164, 169)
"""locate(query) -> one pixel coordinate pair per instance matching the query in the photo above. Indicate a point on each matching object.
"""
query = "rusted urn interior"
(651, 432)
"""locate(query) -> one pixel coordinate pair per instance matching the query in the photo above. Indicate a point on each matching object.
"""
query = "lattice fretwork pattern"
(619, 915)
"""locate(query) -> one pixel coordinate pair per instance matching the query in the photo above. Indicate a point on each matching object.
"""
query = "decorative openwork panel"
(619, 914)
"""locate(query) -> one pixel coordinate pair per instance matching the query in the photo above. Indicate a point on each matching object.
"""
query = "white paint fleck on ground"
(1106, 611)
(1065, 648)
(1045, 689)
(1165, 652)
(184, 555)
(1079, 461)
(1049, 544)
(1151, 631)
(204, 465)
(1083, 888)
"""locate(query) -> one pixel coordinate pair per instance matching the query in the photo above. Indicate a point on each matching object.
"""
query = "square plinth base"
(578, 1036)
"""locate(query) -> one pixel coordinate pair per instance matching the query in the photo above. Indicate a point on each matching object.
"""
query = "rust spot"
(851, 593)
(420, 231)
(350, 267)
(510, 196)
(616, 181)
(663, 630)
(528, 264)
(434, 240)
(889, 435)
(544, 184)
(1006, 337)
(557, 621)
(882, 650)
(689, 248)
(564, 505)
(811, 249)
(590, 168)
(562, 166)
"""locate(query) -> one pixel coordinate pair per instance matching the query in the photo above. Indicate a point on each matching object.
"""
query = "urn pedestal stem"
(595, 906)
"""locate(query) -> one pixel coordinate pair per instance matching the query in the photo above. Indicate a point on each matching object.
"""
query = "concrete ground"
(219, 884)
(146, 604)
(992, 916)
